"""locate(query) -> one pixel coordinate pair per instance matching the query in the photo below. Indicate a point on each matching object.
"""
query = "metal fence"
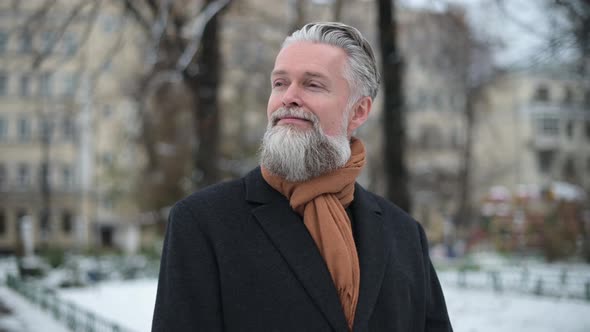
(561, 284)
(72, 315)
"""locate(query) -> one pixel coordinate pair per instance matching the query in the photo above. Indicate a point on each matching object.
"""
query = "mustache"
(285, 112)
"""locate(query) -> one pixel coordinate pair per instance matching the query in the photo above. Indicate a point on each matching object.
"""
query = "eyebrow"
(307, 74)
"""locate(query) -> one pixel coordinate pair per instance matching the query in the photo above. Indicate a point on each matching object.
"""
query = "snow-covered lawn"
(131, 304)
(486, 311)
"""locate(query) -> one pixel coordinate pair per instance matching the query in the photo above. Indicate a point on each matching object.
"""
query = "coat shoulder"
(215, 194)
(211, 205)
(387, 208)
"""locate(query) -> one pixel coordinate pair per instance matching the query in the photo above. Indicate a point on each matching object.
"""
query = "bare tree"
(182, 71)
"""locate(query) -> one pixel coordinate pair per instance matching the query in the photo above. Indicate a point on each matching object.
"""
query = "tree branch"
(42, 55)
(39, 14)
(195, 30)
(526, 27)
(144, 22)
(573, 12)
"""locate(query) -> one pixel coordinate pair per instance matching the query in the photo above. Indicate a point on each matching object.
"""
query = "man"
(297, 245)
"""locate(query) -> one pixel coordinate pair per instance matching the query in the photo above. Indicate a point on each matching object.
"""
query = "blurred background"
(112, 110)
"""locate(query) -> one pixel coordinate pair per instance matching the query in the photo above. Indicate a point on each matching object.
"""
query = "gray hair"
(361, 73)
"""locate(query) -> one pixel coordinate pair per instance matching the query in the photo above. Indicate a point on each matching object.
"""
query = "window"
(24, 130)
(568, 97)
(26, 43)
(44, 174)
(3, 177)
(569, 170)
(3, 42)
(47, 41)
(107, 110)
(67, 177)
(44, 217)
(108, 203)
(70, 44)
(569, 129)
(24, 177)
(70, 84)
(2, 222)
(107, 159)
(25, 85)
(46, 129)
(3, 129)
(45, 84)
(541, 94)
(548, 126)
(68, 129)
(3, 83)
(66, 222)
(545, 160)
(20, 214)
(430, 137)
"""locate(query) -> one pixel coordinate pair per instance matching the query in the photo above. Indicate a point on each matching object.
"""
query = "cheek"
(333, 126)
(271, 106)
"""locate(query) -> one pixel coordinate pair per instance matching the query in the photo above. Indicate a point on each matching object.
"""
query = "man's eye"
(315, 85)
(277, 84)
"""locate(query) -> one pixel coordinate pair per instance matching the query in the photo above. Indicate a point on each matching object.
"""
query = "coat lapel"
(373, 252)
(291, 238)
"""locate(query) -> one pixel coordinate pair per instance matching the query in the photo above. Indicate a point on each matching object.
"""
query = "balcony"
(541, 141)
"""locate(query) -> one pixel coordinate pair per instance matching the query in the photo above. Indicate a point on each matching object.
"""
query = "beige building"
(61, 112)
(533, 128)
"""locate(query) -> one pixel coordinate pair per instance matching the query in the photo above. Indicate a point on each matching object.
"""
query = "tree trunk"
(298, 15)
(394, 139)
(45, 185)
(205, 86)
(337, 10)
(464, 212)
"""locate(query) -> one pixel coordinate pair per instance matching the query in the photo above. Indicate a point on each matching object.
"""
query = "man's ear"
(359, 114)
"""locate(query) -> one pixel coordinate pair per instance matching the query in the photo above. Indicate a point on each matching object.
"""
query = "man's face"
(310, 77)
(309, 118)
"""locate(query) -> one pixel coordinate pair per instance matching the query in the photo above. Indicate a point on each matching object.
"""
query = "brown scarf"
(321, 201)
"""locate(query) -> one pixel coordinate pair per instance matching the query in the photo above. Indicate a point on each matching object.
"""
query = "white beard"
(298, 154)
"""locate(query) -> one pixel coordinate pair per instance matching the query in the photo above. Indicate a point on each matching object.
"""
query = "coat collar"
(291, 238)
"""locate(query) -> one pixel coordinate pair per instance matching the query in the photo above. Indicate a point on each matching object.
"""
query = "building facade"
(57, 89)
(533, 128)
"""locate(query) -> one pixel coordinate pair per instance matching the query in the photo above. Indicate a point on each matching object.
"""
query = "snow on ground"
(131, 304)
(486, 311)
(24, 316)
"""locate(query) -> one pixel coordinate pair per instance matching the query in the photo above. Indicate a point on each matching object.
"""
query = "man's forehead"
(309, 58)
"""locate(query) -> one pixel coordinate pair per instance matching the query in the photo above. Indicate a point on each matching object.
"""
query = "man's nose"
(291, 97)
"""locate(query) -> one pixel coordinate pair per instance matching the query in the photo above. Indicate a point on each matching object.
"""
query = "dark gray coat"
(237, 258)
